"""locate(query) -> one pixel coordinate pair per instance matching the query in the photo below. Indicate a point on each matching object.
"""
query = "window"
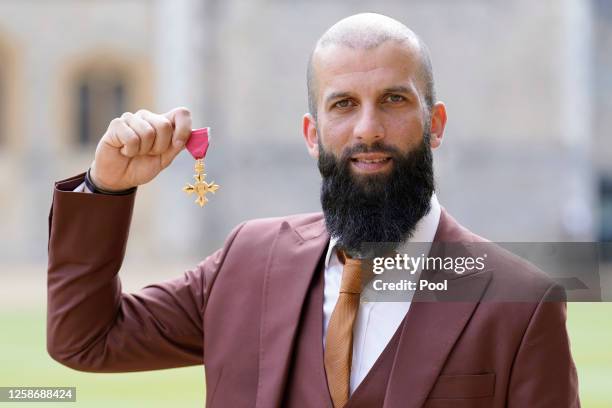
(605, 232)
(605, 194)
(603, 9)
(101, 96)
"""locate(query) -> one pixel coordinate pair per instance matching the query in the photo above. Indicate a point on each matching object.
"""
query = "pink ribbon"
(198, 143)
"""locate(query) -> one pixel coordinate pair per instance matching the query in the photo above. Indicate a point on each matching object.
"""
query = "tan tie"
(339, 339)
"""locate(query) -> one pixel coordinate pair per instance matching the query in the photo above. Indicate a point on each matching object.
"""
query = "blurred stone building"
(528, 88)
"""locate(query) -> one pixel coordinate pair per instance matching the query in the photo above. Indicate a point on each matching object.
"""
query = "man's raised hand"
(138, 146)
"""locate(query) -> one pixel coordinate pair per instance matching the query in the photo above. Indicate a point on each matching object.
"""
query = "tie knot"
(351, 273)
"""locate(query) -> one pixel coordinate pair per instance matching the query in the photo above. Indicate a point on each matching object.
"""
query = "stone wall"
(523, 148)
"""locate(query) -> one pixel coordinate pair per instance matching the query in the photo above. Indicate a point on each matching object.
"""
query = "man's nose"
(369, 127)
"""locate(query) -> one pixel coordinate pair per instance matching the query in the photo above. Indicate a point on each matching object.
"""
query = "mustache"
(376, 147)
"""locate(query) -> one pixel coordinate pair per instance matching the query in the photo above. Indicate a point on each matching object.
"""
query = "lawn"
(24, 362)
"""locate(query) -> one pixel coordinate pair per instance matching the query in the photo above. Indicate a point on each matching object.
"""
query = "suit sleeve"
(91, 324)
(544, 374)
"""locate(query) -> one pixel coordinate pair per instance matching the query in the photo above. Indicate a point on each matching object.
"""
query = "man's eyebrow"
(336, 95)
(399, 89)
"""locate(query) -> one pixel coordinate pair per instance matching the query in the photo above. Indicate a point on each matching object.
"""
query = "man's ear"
(309, 129)
(438, 123)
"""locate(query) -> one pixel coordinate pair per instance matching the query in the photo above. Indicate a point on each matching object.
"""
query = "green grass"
(24, 362)
(590, 328)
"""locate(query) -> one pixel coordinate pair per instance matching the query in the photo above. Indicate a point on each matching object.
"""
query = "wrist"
(96, 189)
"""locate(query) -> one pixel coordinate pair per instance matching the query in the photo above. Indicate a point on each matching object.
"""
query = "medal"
(197, 146)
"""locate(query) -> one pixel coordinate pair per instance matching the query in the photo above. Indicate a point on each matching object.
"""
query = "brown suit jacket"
(237, 311)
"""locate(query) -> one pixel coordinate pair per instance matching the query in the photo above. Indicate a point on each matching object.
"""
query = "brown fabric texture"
(238, 313)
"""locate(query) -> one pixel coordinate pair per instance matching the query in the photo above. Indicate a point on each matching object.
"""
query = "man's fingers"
(144, 130)
(181, 119)
(146, 133)
(127, 138)
(163, 131)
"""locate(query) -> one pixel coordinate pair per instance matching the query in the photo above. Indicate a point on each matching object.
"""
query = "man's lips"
(370, 162)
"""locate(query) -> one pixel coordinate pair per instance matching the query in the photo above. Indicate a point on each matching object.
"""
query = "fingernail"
(178, 143)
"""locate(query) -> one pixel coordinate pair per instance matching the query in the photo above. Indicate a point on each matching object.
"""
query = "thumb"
(181, 121)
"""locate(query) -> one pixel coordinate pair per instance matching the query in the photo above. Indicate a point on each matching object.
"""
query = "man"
(274, 315)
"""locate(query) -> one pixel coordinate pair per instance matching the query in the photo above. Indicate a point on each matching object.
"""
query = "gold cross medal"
(197, 145)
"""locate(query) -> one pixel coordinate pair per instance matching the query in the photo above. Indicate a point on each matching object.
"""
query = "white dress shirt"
(376, 322)
(82, 188)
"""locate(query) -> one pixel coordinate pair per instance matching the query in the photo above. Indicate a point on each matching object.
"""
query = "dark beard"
(382, 209)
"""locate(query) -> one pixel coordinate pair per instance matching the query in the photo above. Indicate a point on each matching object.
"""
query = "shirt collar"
(424, 231)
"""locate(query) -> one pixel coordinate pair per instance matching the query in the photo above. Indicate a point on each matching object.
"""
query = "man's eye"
(345, 103)
(395, 98)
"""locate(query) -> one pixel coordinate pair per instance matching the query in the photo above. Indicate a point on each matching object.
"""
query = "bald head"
(368, 31)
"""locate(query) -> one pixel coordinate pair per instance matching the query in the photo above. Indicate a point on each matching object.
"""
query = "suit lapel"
(292, 263)
(432, 327)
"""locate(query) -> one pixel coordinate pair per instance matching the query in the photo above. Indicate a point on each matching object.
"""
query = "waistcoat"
(307, 384)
